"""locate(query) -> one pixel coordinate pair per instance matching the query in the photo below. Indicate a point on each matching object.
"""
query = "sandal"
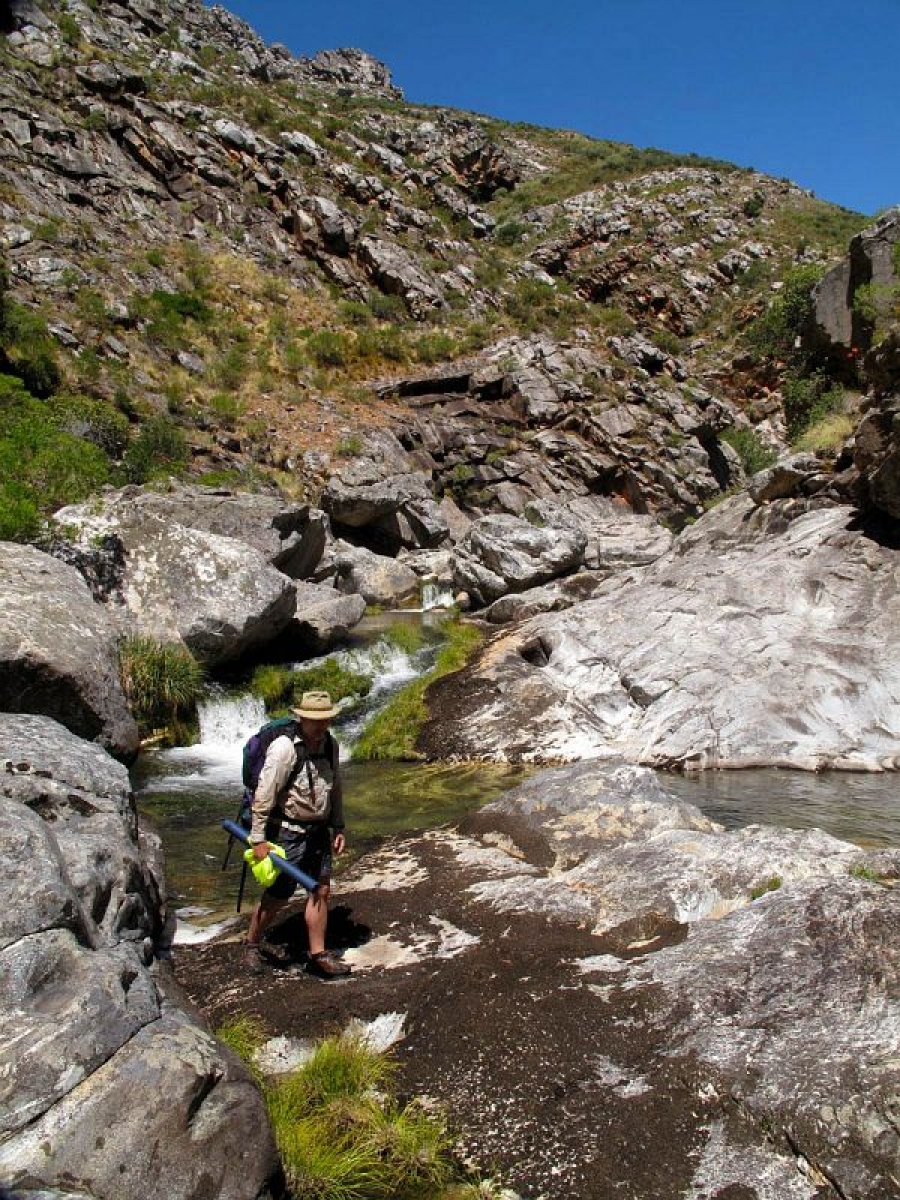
(325, 963)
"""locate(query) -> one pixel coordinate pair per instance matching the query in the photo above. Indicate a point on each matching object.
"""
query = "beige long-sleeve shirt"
(281, 786)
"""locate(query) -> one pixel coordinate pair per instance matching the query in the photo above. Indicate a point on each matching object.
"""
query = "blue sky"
(806, 89)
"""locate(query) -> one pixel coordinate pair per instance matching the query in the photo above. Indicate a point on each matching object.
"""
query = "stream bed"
(187, 792)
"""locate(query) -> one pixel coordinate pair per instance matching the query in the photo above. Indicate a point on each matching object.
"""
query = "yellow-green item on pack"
(264, 870)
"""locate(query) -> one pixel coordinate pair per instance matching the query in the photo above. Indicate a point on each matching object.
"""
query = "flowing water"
(187, 792)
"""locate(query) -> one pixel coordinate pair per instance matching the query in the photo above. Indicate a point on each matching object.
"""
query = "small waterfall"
(226, 720)
(436, 595)
(215, 761)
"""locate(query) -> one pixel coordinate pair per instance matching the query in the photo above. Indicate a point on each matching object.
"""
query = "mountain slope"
(235, 244)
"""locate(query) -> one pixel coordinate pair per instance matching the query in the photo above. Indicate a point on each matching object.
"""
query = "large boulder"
(87, 1015)
(501, 554)
(767, 636)
(85, 797)
(839, 327)
(58, 651)
(375, 577)
(290, 536)
(876, 444)
(217, 595)
(324, 619)
(384, 504)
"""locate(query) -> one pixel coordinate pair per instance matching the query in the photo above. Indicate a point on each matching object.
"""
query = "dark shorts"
(310, 850)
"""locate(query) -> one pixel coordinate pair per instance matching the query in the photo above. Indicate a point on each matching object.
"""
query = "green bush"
(775, 332)
(162, 681)
(42, 467)
(159, 449)
(807, 400)
(754, 454)
(26, 347)
(92, 419)
(281, 686)
(328, 349)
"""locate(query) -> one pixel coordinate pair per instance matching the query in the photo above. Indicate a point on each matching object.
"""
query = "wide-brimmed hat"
(315, 706)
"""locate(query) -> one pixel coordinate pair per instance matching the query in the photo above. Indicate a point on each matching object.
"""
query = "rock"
(354, 68)
(753, 642)
(789, 477)
(290, 536)
(396, 272)
(323, 619)
(876, 457)
(185, 1093)
(86, 1021)
(505, 554)
(389, 509)
(552, 597)
(837, 327)
(58, 650)
(374, 577)
(85, 797)
(217, 595)
(589, 953)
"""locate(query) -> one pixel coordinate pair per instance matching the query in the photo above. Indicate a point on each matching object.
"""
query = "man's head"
(314, 712)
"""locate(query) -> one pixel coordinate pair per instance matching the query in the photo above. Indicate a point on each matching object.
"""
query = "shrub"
(341, 1133)
(42, 467)
(772, 884)
(328, 349)
(227, 409)
(775, 332)
(509, 233)
(281, 686)
(754, 454)
(26, 348)
(754, 204)
(92, 419)
(826, 435)
(158, 449)
(808, 399)
(162, 681)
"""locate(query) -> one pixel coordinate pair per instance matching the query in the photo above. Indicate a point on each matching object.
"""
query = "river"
(187, 792)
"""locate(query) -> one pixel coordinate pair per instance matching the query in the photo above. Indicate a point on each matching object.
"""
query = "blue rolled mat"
(282, 864)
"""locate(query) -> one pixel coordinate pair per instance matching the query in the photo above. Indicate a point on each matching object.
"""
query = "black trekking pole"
(231, 840)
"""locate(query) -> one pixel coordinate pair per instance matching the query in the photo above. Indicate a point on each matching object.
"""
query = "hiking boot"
(328, 965)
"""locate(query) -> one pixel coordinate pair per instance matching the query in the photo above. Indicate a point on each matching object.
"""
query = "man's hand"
(339, 843)
(261, 850)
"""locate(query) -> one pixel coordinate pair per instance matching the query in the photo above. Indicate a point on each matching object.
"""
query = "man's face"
(312, 730)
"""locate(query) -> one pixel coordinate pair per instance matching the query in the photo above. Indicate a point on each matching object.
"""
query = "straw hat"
(315, 706)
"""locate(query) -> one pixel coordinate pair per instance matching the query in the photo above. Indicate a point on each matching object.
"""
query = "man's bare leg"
(317, 917)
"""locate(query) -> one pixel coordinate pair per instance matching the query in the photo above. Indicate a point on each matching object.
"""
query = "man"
(298, 803)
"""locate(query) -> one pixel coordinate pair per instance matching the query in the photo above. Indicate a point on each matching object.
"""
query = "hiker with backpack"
(298, 803)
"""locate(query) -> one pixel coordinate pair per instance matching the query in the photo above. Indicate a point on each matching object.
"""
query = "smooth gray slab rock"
(58, 654)
(171, 1114)
(216, 594)
(767, 636)
(66, 1010)
(588, 953)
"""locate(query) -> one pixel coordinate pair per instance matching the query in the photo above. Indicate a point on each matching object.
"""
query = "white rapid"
(215, 761)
